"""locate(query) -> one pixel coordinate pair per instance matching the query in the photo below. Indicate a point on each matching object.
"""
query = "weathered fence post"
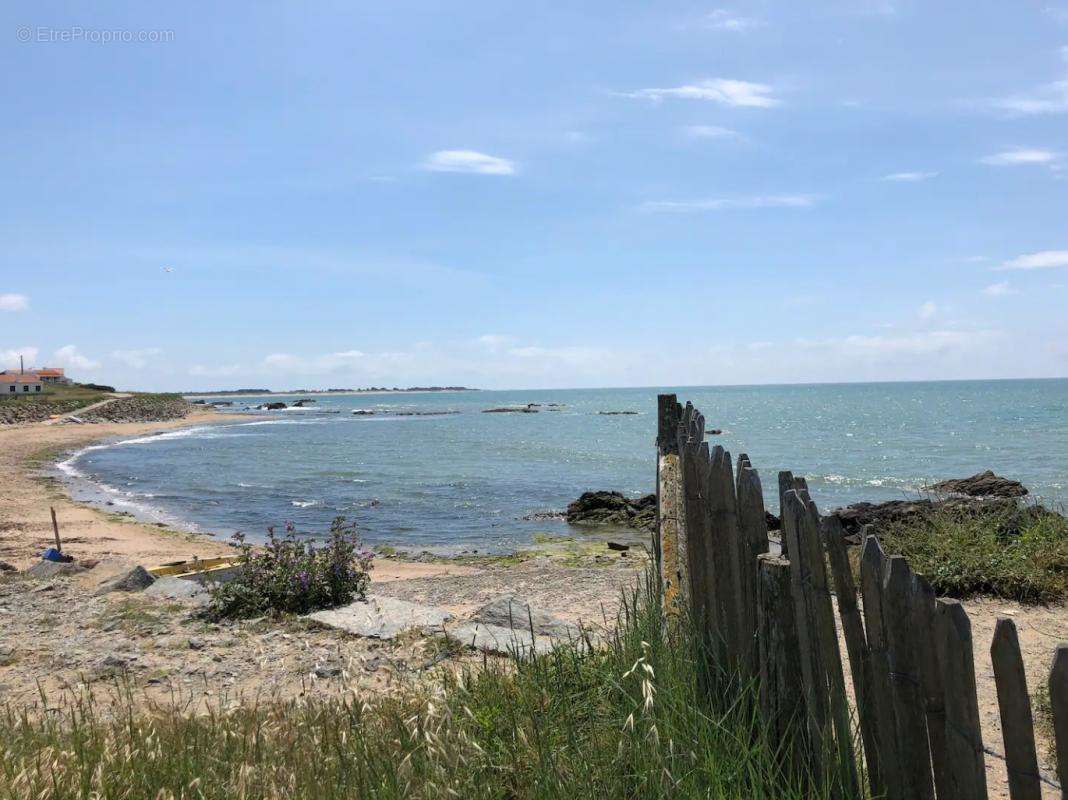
(821, 660)
(856, 646)
(872, 568)
(1017, 724)
(670, 539)
(786, 483)
(725, 550)
(906, 689)
(924, 627)
(965, 765)
(1058, 700)
(753, 533)
(781, 693)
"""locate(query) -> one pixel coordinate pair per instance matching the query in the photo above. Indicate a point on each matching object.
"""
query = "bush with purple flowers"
(293, 576)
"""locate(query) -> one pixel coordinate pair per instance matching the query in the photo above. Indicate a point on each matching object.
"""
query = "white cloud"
(710, 132)
(281, 361)
(1020, 155)
(927, 310)
(724, 20)
(1049, 98)
(999, 289)
(718, 90)
(14, 302)
(1059, 13)
(10, 358)
(731, 203)
(469, 161)
(909, 177)
(138, 359)
(1045, 259)
(68, 356)
(495, 341)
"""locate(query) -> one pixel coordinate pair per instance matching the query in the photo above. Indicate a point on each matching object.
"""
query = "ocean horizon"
(430, 470)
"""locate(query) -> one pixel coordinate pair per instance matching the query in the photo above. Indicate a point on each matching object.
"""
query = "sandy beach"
(60, 635)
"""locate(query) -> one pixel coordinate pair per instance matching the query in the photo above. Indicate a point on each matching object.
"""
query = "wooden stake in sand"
(55, 530)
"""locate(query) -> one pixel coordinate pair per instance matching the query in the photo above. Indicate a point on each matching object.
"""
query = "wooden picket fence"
(772, 617)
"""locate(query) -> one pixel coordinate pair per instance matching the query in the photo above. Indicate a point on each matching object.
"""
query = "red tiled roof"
(16, 378)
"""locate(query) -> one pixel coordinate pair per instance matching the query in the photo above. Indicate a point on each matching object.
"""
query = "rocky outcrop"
(982, 484)
(528, 409)
(617, 413)
(613, 508)
(140, 408)
(511, 625)
(134, 580)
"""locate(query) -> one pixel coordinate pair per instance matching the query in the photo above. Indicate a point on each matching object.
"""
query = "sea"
(432, 472)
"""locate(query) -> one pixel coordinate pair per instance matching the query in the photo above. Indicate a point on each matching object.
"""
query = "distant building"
(13, 383)
(53, 375)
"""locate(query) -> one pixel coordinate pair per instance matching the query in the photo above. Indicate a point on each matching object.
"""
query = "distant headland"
(366, 390)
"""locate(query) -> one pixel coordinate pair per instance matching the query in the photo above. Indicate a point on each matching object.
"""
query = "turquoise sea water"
(466, 480)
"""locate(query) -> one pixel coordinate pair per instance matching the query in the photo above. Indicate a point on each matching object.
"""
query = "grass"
(1017, 555)
(59, 394)
(626, 720)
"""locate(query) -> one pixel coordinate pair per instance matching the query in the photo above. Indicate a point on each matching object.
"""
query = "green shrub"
(1017, 554)
(293, 576)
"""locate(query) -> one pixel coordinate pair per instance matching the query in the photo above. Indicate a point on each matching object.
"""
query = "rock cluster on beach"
(613, 508)
(140, 408)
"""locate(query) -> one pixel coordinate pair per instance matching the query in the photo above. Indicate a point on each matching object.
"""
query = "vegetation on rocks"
(141, 408)
(294, 576)
(625, 720)
(58, 399)
(1016, 553)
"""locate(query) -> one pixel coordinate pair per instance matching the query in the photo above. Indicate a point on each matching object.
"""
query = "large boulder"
(511, 625)
(982, 484)
(613, 508)
(135, 580)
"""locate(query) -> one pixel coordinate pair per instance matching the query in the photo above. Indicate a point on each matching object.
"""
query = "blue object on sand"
(51, 554)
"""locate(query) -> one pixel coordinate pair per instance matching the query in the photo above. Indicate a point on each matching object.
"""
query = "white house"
(17, 384)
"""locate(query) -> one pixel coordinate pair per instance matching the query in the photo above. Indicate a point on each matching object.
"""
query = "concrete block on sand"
(510, 624)
(178, 589)
(383, 617)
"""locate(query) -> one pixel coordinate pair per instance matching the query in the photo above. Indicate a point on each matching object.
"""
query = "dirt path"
(90, 407)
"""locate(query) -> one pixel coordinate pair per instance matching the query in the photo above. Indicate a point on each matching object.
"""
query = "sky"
(534, 195)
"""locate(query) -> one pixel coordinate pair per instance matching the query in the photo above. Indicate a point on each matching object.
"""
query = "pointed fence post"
(910, 718)
(724, 547)
(872, 569)
(924, 626)
(1058, 700)
(1014, 704)
(786, 483)
(965, 765)
(856, 646)
(669, 544)
(753, 531)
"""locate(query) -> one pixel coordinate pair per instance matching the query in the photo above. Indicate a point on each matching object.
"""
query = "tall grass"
(1018, 554)
(628, 719)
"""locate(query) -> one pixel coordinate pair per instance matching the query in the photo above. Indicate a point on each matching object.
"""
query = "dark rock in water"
(713, 432)
(613, 508)
(275, 406)
(856, 517)
(511, 410)
(772, 521)
(219, 403)
(363, 412)
(983, 484)
(135, 580)
(545, 516)
(617, 413)
(618, 546)
(306, 401)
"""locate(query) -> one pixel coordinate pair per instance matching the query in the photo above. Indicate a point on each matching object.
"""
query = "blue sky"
(535, 195)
